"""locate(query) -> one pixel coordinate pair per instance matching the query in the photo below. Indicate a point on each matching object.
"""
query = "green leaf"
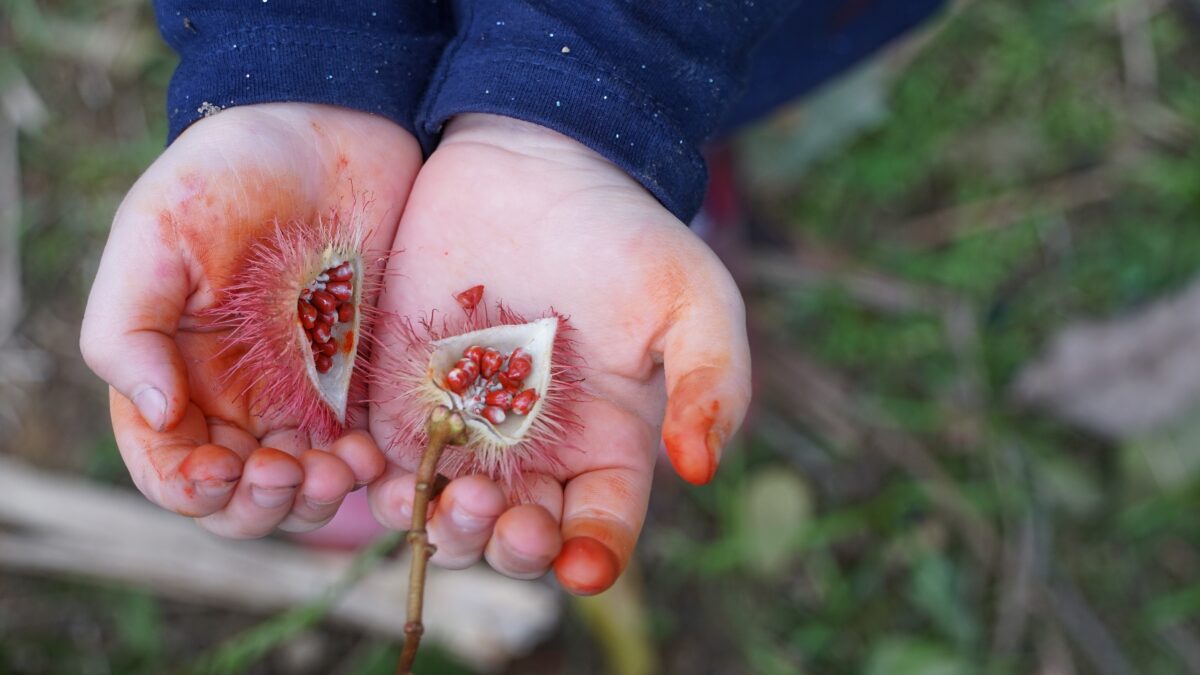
(935, 590)
(913, 656)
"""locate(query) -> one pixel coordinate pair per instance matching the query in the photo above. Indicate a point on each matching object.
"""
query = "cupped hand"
(544, 222)
(189, 437)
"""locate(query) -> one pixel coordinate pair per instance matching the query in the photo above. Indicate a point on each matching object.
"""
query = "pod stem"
(443, 428)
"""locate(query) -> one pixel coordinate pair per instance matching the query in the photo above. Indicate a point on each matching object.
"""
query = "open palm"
(544, 222)
(190, 440)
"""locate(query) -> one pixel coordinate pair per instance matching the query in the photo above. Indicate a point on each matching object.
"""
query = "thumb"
(706, 358)
(133, 312)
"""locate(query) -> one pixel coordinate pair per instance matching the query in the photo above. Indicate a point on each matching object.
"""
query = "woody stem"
(444, 428)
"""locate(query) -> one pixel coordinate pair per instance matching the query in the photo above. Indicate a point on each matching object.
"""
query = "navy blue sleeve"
(645, 82)
(369, 55)
(642, 83)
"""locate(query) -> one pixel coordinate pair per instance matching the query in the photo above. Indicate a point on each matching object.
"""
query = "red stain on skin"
(585, 566)
(243, 207)
(348, 345)
(670, 290)
(193, 183)
(265, 457)
(211, 463)
(594, 553)
(342, 161)
(693, 432)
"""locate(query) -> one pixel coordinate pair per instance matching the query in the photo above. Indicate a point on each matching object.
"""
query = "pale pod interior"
(333, 385)
(535, 338)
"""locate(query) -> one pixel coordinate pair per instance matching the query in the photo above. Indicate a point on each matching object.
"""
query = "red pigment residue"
(586, 566)
(348, 346)
(691, 432)
(210, 463)
(193, 186)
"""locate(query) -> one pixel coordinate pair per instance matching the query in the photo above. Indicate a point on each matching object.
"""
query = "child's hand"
(542, 221)
(190, 444)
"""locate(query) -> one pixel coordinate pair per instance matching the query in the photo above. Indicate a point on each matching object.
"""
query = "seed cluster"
(490, 382)
(323, 304)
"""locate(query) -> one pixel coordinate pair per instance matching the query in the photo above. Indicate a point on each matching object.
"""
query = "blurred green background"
(911, 240)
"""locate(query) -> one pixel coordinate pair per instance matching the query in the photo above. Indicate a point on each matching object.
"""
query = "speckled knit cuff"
(368, 55)
(643, 84)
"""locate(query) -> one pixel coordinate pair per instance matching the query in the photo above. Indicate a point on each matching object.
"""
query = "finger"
(603, 512)
(327, 480)
(706, 359)
(462, 523)
(525, 541)
(543, 490)
(262, 499)
(179, 469)
(390, 498)
(235, 438)
(133, 311)
(360, 452)
(292, 441)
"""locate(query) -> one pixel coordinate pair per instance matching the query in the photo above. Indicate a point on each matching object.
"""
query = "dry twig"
(444, 428)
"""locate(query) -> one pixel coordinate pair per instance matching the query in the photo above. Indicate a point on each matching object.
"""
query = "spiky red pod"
(433, 363)
(294, 315)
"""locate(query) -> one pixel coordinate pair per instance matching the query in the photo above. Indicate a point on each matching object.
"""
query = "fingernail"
(318, 504)
(523, 561)
(214, 488)
(153, 406)
(715, 441)
(585, 566)
(404, 513)
(271, 498)
(465, 520)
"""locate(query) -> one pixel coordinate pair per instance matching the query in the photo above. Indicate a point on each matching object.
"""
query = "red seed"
(324, 302)
(308, 314)
(323, 363)
(523, 402)
(342, 272)
(474, 352)
(507, 382)
(340, 290)
(490, 362)
(345, 312)
(328, 348)
(457, 380)
(520, 365)
(330, 319)
(493, 414)
(501, 398)
(321, 331)
(469, 298)
(470, 367)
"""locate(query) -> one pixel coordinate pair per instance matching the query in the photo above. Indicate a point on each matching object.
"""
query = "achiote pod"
(296, 320)
(512, 380)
